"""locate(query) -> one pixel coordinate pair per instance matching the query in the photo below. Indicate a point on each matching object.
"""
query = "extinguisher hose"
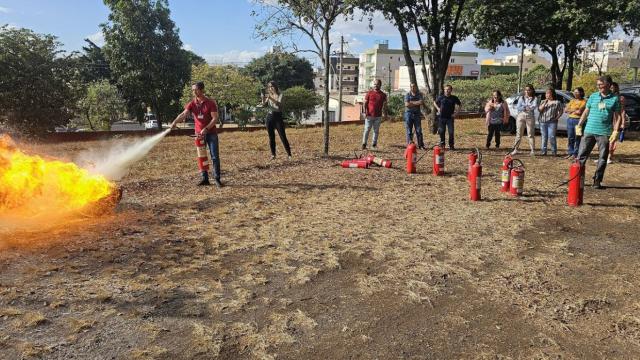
(568, 181)
(511, 164)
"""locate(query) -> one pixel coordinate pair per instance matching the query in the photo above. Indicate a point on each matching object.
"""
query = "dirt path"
(305, 260)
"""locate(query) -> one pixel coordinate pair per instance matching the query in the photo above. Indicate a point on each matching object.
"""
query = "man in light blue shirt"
(602, 115)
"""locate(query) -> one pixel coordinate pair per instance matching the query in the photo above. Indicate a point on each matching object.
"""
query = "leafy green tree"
(557, 27)
(225, 84)
(102, 105)
(34, 94)
(313, 19)
(395, 105)
(92, 64)
(299, 103)
(286, 69)
(194, 59)
(146, 56)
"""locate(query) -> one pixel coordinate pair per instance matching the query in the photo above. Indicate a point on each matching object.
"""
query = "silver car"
(512, 101)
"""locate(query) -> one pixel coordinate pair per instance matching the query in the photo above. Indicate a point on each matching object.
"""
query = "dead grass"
(304, 259)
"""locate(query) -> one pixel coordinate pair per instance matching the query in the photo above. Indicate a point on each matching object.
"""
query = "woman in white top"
(273, 100)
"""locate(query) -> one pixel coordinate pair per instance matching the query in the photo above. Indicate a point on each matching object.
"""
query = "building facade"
(349, 75)
(385, 64)
(602, 57)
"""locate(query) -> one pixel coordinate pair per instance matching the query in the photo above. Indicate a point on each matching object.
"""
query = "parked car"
(632, 109)
(150, 122)
(151, 125)
(512, 101)
(635, 89)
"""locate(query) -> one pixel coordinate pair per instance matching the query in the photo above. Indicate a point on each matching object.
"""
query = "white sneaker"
(514, 152)
(609, 161)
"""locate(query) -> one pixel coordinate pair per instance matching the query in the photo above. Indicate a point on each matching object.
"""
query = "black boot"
(205, 179)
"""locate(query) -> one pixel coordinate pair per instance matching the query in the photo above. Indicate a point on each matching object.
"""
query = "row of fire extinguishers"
(512, 172)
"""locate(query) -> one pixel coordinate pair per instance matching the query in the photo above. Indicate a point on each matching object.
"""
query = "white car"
(151, 125)
(512, 101)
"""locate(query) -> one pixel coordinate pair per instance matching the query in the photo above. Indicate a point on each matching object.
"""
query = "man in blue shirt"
(413, 100)
(448, 107)
(603, 116)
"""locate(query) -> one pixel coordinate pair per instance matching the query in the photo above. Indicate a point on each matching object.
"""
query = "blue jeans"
(445, 124)
(212, 142)
(573, 140)
(413, 120)
(548, 132)
(371, 122)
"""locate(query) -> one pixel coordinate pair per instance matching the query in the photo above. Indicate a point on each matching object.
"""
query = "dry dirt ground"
(306, 260)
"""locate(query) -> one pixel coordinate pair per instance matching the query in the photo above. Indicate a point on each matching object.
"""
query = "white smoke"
(114, 162)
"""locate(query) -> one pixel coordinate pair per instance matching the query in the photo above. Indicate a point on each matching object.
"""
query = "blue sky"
(218, 30)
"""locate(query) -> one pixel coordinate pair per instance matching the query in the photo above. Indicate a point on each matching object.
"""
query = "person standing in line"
(413, 100)
(275, 121)
(205, 114)
(526, 118)
(574, 110)
(615, 88)
(448, 107)
(375, 107)
(550, 111)
(602, 114)
(497, 114)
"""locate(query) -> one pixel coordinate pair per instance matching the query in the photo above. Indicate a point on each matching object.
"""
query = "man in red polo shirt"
(205, 115)
(375, 106)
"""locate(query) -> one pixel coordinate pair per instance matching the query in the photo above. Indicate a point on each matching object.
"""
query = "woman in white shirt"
(273, 100)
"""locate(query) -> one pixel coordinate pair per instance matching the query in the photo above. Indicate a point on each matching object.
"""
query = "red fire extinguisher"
(475, 178)
(506, 173)
(382, 162)
(410, 154)
(203, 158)
(517, 178)
(355, 163)
(473, 156)
(369, 159)
(576, 184)
(438, 161)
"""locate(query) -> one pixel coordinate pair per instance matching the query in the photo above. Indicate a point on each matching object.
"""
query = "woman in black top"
(273, 100)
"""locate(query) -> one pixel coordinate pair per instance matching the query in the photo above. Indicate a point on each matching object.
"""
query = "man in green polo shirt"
(602, 115)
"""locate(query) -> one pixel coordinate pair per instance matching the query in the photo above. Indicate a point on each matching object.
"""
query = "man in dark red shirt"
(205, 115)
(375, 106)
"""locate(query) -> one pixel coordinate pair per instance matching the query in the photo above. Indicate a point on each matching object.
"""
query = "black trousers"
(494, 129)
(274, 122)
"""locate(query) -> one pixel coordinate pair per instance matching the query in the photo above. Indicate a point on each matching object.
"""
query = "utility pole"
(340, 79)
(520, 71)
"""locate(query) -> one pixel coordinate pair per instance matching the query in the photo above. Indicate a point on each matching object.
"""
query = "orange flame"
(32, 185)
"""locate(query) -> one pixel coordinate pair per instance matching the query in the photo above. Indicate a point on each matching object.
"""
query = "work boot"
(218, 183)
(364, 146)
(204, 182)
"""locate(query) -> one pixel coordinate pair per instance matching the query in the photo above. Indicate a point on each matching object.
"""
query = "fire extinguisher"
(517, 178)
(382, 162)
(506, 173)
(576, 184)
(410, 155)
(355, 163)
(203, 158)
(438, 161)
(369, 158)
(475, 178)
(473, 156)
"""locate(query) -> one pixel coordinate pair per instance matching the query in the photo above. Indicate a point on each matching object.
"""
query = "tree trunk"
(411, 66)
(556, 73)
(325, 120)
(571, 49)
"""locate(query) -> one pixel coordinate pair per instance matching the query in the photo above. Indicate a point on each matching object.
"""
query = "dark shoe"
(218, 184)
(452, 148)
(596, 185)
(204, 182)
(364, 146)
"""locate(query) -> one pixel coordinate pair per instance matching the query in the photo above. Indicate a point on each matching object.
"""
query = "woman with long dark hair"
(497, 114)
(550, 110)
(273, 100)
(575, 108)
